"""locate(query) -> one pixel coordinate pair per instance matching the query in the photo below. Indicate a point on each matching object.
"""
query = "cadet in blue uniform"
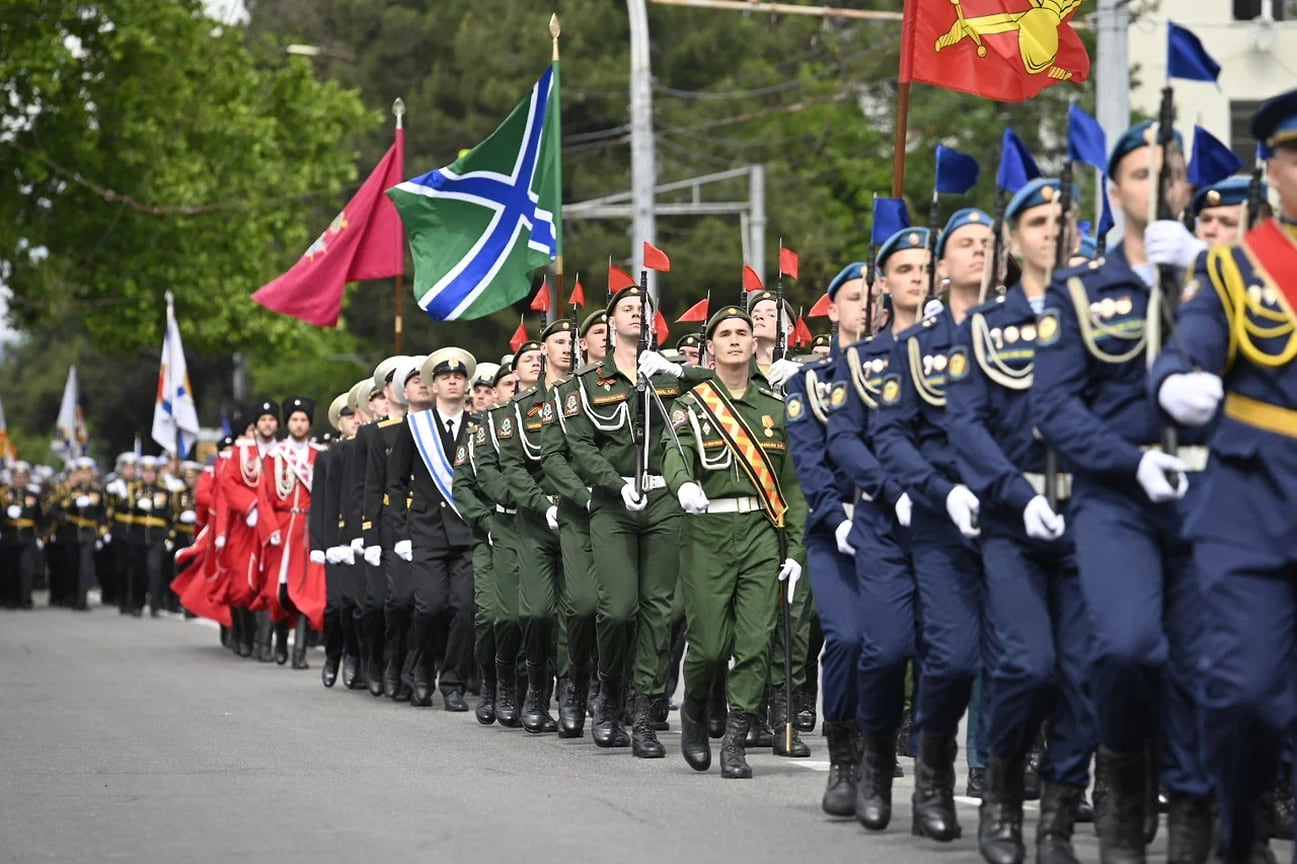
(1035, 636)
(1090, 403)
(830, 499)
(914, 448)
(1235, 347)
(885, 608)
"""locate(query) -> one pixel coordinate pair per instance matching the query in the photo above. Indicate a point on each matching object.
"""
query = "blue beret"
(1231, 191)
(906, 238)
(854, 270)
(957, 220)
(1042, 190)
(1133, 139)
(1275, 122)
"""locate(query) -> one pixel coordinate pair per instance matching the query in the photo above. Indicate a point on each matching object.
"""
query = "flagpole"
(898, 144)
(398, 324)
(554, 31)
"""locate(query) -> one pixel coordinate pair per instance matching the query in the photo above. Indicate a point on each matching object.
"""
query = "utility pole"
(1112, 75)
(643, 160)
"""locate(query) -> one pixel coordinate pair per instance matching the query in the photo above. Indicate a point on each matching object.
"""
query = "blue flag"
(1086, 142)
(1212, 161)
(956, 172)
(890, 216)
(1017, 168)
(1186, 58)
(1105, 218)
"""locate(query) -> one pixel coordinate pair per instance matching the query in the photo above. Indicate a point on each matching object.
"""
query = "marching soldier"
(1233, 353)
(687, 345)
(742, 538)
(20, 531)
(118, 527)
(241, 533)
(184, 528)
(151, 517)
(326, 521)
(80, 519)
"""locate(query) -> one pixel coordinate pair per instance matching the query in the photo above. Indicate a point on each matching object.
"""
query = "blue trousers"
(886, 619)
(1036, 654)
(837, 597)
(948, 573)
(1144, 609)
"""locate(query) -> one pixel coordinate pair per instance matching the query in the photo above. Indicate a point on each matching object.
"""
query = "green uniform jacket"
(520, 450)
(709, 463)
(554, 451)
(472, 505)
(490, 481)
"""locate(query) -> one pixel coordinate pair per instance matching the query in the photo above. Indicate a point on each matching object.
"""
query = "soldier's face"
(626, 320)
(964, 257)
(299, 425)
(848, 307)
(417, 392)
(558, 351)
(506, 388)
(347, 425)
(149, 475)
(820, 350)
(1132, 184)
(127, 472)
(905, 277)
(21, 478)
(527, 368)
(1218, 225)
(691, 354)
(592, 343)
(267, 426)
(483, 397)
(1035, 236)
(450, 386)
(732, 343)
(763, 320)
(1282, 170)
(378, 406)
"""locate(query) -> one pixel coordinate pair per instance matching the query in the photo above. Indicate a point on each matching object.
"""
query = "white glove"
(904, 510)
(840, 534)
(358, 545)
(692, 498)
(1040, 520)
(14, 511)
(167, 544)
(318, 556)
(40, 544)
(781, 371)
(551, 517)
(1153, 468)
(790, 573)
(220, 541)
(373, 555)
(628, 498)
(333, 555)
(251, 519)
(652, 363)
(962, 506)
(145, 504)
(404, 550)
(83, 500)
(117, 487)
(188, 517)
(99, 545)
(1191, 398)
(276, 539)
(108, 538)
(1167, 241)
(346, 555)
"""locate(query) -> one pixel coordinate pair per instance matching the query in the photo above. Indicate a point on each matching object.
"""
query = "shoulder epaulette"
(586, 367)
(772, 394)
(525, 394)
(915, 330)
(390, 421)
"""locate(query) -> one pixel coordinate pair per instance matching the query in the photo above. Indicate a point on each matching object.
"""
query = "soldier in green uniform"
(634, 528)
(733, 475)
(580, 595)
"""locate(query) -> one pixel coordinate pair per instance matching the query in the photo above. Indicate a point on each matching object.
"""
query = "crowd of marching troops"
(1047, 507)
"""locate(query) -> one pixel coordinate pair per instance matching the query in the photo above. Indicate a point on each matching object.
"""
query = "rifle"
(1166, 279)
(934, 214)
(1254, 193)
(576, 338)
(1061, 254)
(702, 338)
(871, 276)
(640, 430)
(781, 338)
(994, 273)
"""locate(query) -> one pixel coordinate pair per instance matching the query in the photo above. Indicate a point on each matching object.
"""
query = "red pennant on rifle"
(656, 259)
(695, 314)
(821, 308)
(578, 295)
(519, 336)
(540, 303)
(618, 279)
(788, 262)
(801, 333)
(751, 281)
(660, 328)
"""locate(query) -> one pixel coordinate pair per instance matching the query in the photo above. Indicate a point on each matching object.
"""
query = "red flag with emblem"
(618, 279)
(656, 259)
(751, 281)
(660, 329)
(821, 308)
(695, 314)
(540, 303)
(519, 336)
(788, 260)
(1008, 50)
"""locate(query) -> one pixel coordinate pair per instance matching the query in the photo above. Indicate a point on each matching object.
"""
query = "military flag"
(7, 452)
(175, 418)
(70, 434)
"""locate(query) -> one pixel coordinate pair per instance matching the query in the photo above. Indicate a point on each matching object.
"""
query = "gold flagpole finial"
(398, 110)
(554, 31)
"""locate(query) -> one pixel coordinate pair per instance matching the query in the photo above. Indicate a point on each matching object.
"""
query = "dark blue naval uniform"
(1035, 637)
(829, 494)
(1090, 402)
(1237, 326)
(885, 614)
(912, 445)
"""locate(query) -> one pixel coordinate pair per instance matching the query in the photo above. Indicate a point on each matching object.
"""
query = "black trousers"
(443, 611)
(17, 573)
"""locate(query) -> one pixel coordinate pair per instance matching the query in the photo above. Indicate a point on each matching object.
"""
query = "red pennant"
(751, 281)
(801, 333)
(519, 336)
(821, 308)
(656, 259)
(578, 295)
(788, 262)
(540, 303)
(618, 279)
(696, 313)
(660, 328)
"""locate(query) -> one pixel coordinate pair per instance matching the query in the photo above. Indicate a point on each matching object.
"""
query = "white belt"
(552, 499)
(1037, 482)
(651, 482)
(850, 509)
(1194, 457)
(742, 504)
(508, 511)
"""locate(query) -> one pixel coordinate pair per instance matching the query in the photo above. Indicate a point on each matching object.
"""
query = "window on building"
(1240, 137)
(1282, 10)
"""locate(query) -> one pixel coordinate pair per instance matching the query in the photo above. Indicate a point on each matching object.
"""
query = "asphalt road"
(145, 741)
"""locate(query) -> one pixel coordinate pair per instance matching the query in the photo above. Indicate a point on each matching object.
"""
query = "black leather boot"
(717, 710)
(592, 692)
(934, 789)
(1059, 806)
(1100, 797)
(329, 671)
(644, 741)
(734, 761)
(421, 682)
(1031, 778)
(248, 637)
(1084, 810)
(1281, 815)
(607, 729)
(874, 786)
(779, 720)
(300, 640)
(485, 711)
(281, 642)
(694, 743)
(976, 785)
(1188, 825)
(903, 734)
(840, 791)
(506, 705)
(571, 711)
(661, 711)
(264, 631)
(999, 826)
(1121, 820)
(351, 677)
(806, 695)
(392, 670)
(535, 708)
(760, 735)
